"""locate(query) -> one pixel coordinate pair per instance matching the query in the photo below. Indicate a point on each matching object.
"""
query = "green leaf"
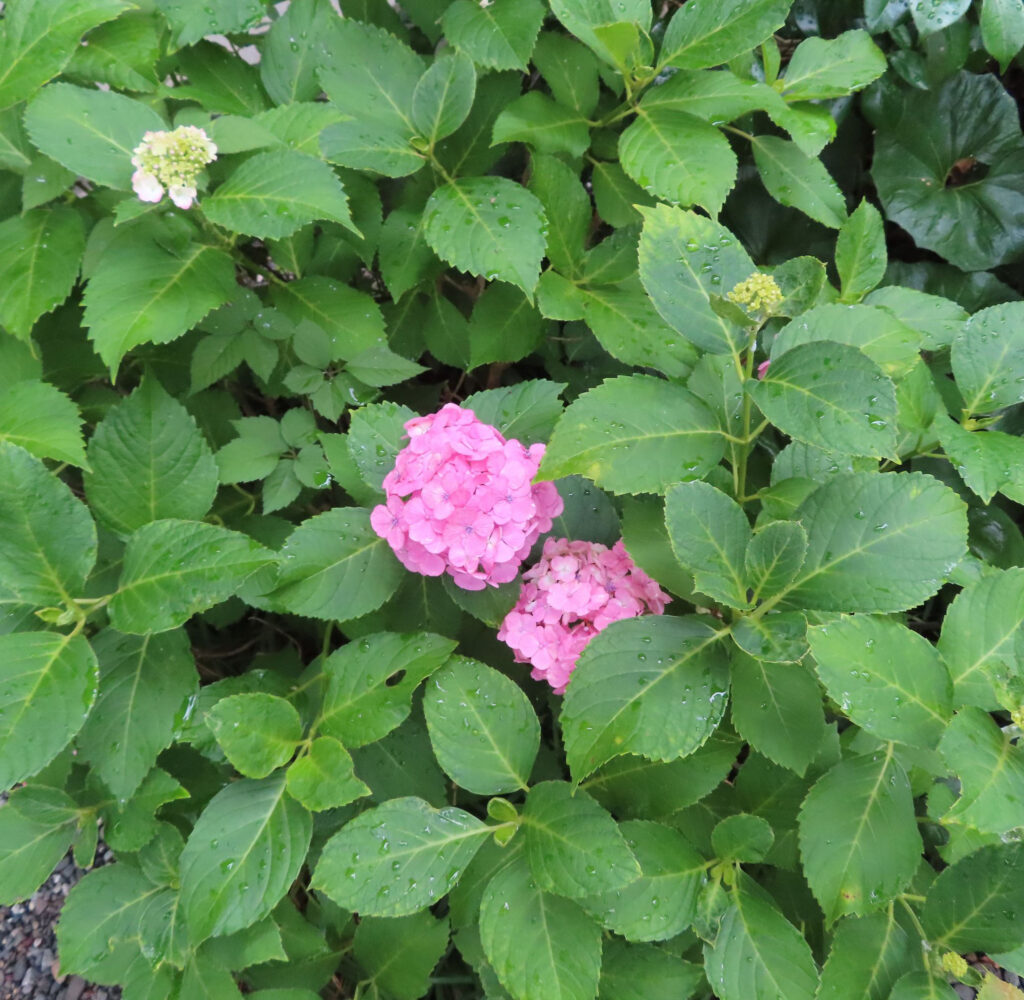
(544, 124)
(886, 678)
(617, 196)
(335, 567)
(742, 837)
(33, 842)
(821, 68)
(42, 420)
(40, 252)
(1002, 29)
(375, 437)
(490, 226)
(498, 36)
(149, 461)
(860, 251)
(972, 905)
(141, 292)
(91, 132)
(584, 17)
(860, 528)
(351, 319)
(122, 53)
(988, 461)
(174, 569)
(542, 946)
(242, 855)
(799, 181)
(679, 158)
(921, 152)
(192, 19)
(991, 772)
(867, 956)
(686, 258)
(662, 902)
(831, 396)
(757, 951)
(39, 39)
(572, 845)
(987, 358)
(402, 764)
(662, 433)
(371, 146)
(144, 684)
(324, 778)
(297, 41)
(934, 15)
(779, 637)
(47, 538)
(504, 326)
(97, 934)
(646, 539)
(272, 194)
(982, 640)
(569, 69)
(443, 96)
(709, 534)
(483, 728)
(712, 34)
(398, 858)
(774, 557)
(894, 347)
(258, 732)
(526, 411)
(776, 707)
(399, 953)
(858, 835)
(370, 683)
(636, 788)
(49, 685)
(631, 679)
(639, 971)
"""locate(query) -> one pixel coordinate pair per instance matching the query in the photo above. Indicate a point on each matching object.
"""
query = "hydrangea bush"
(515, 499)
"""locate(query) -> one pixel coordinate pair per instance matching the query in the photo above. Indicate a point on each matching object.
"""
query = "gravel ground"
(28, 949)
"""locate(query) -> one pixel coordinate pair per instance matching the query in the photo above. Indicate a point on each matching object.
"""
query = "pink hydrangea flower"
(461, 500)
(575, 591)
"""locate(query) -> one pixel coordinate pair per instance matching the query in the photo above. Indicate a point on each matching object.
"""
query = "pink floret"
(460, 500)
(575, 591)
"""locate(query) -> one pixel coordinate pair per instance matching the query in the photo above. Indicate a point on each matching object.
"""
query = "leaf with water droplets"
(242, 855)
(830, 396)
(490, 226)
(858, 835)
(886, 678)
(519, 919)
(483, 728)
(976, 904)
(654, 686)
(398, 858)
(988, 358)
(258, 732)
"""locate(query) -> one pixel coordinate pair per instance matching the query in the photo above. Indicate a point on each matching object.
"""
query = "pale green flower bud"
(171, 160)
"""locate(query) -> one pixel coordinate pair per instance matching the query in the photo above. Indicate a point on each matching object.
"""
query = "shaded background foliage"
(321, 774)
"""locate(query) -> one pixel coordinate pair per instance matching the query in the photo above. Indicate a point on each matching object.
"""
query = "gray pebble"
(74, 988)
(964, 992)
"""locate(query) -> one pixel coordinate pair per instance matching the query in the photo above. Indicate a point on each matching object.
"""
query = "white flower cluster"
(171, 160)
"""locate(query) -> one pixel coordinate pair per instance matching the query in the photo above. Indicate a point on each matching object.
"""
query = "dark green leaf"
(399, 953)
(867, 956)
(797, 180)
(860, 252)
(498, 36)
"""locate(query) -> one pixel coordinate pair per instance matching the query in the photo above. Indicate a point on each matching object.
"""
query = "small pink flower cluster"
(576, 590)
(461, 499)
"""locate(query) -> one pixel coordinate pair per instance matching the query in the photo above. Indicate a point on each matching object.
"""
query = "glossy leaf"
(986, 358)
(860, 251)
(257, 732)
(324, 778)
(397, 858)
(498, 36)
(799, 181)
(242, 855)
(634, 676)
(712, 34)
(483, 728)
(825, 68)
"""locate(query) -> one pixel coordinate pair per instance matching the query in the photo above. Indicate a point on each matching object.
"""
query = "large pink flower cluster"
(461, 500)
(576, 590)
